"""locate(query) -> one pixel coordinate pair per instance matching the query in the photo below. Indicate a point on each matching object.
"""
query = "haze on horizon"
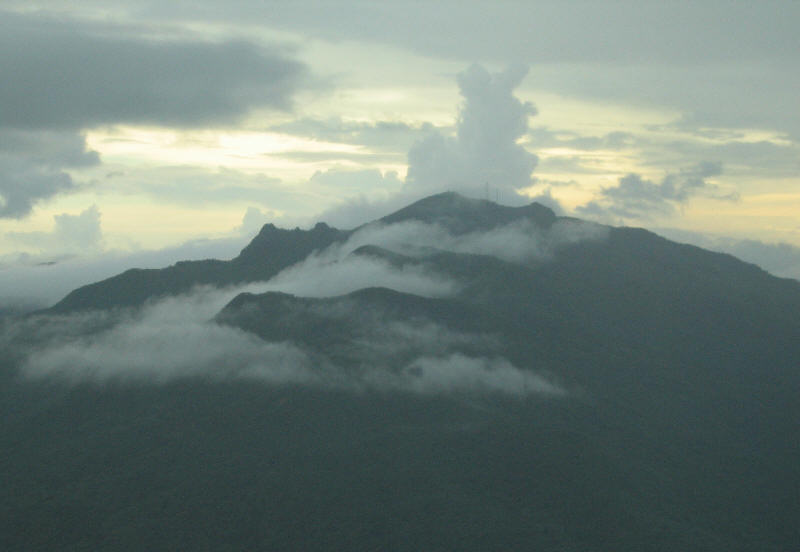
(130, 128)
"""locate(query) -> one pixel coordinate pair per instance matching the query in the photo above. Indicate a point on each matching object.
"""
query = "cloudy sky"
(134, 126)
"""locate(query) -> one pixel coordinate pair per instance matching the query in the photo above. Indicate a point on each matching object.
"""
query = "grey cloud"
(636, 197)
(740, 70)
(731, 95)
(48, 148)
(485, 147)
(32, 166)
(23, 183)
(627, 31)
(69, 76)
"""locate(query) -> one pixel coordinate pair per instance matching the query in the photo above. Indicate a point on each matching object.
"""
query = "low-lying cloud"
(328, 275)
(520, 241)
(175, 339)
(164, 341)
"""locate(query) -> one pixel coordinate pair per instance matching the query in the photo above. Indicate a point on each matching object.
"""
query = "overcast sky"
(143, 125)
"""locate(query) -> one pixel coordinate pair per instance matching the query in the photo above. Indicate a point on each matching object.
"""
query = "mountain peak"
(461, 214)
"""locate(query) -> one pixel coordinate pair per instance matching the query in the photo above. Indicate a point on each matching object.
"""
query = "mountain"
(275, 249)
(272, 250)
(527, 381)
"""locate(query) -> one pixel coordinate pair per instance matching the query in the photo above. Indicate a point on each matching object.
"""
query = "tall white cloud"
(484, 149)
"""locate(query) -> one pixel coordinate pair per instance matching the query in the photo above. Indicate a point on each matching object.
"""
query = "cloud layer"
(175, 339)
(76, 75)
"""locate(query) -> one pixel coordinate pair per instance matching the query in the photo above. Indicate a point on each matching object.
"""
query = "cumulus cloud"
(71, 234)
(636, 197)
(483, 152)
(485, 148)
(253, 219)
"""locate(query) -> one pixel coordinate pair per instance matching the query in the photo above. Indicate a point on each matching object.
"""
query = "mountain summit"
(458, 375)
(461, 214)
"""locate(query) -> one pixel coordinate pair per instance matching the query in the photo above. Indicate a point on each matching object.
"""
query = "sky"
(139, 133)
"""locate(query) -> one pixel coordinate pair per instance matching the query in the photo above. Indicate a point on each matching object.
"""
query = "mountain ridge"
(274, 249)
(601, 389)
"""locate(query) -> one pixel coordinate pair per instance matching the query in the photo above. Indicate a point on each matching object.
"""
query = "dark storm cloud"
(637, 197)
(69, 75)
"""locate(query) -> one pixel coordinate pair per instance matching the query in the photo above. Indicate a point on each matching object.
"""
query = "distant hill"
(674, 428)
